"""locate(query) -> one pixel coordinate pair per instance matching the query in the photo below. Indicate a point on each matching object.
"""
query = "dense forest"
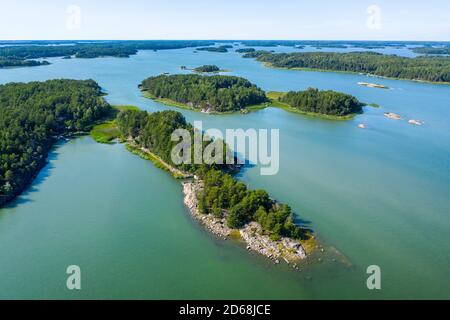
(432, 50)
(220, 49)
(436, 69)
(92, 49)
(245, 50)
(217, 93)
(207, 68)
(32, 117)
(222, 193)
(324, 102)
(8, 63)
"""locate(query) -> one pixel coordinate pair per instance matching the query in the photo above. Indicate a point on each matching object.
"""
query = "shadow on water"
(246, 166)
(42, 176)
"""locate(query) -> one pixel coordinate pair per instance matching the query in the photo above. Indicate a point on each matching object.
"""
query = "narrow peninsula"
(214, 197)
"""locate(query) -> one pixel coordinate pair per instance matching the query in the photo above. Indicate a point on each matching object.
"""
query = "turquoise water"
(375, 196)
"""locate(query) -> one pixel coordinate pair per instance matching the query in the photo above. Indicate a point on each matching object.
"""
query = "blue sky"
(230, 19)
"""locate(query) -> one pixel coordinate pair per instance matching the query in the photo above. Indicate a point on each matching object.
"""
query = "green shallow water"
(377, 196)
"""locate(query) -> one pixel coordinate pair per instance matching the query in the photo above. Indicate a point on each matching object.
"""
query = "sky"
(225, 19)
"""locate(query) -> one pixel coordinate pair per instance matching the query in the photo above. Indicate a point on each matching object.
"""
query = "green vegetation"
(432, 50)
(328, 105)
(9, 62)
(105, 132)
(124, 108)
(207, 69)
(222, 194)
(435, 69)
(32, 118)
(245, 50)
(167, 102)
(213, 93)
(327, 102)
(119, 49)
(220, 49)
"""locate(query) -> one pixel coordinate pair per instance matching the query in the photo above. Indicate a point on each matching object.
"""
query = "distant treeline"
(220, 49)
(323, 102)
(432, 50)
(222, 194)
(94, 49)
(436, 69)
(218, 93)
(32, 116)
(245, 50)
(340, 43)
(7, 62)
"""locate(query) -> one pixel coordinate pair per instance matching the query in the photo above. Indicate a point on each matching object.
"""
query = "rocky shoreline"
(289, 250)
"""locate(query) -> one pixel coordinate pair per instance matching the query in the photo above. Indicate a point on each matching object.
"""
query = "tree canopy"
(222, 195)
(220, 49)
(7, 63)
(208, 68)
(219, 93)
(41, 49)
(324, 102)
(436, 69)
(32, 116)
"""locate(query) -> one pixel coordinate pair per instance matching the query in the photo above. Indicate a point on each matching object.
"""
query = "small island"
(210, 94)
(326, 104)
(208, 68)
(373, 85)
(220, 49)
(13, 63)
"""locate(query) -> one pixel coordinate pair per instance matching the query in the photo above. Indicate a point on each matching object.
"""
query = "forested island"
(216, 93)
(226, 206)
(33, 116)
(328, 103)
(245, 50)
(120, 49)
(11, 63)
(433, 69)
(220, 49)
(209, 68)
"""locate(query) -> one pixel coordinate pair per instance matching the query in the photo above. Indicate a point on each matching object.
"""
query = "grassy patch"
(309, 243)
(125, 108)
(235, 234)
(105, 132)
